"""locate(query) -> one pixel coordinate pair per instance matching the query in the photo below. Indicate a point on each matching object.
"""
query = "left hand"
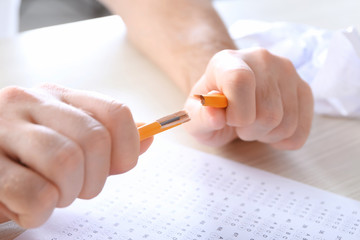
(267, 101)
(58, 144)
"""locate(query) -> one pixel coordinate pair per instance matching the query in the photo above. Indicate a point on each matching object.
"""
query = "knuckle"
(119, 115)
(288, 65)
(46, 198)
(40, 206)
(288, 125)
(97, 147)
(285, 132)
(263, 54)
(118, 109)
(97, 137)
(28, 195)
(68, 157)
(14, 94)
(270, 118)
(305, 90)
(126, 141)
(126, 159)
(244, 121)
(240, 79)
(37, 203)
(126, 165)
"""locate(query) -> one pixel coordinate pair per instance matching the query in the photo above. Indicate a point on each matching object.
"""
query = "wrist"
(193, 61)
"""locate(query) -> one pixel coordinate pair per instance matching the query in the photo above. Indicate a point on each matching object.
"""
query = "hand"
(57, 145)
(267, 101)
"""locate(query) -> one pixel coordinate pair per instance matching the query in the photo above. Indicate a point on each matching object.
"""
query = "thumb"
(208, 124)
(144, 144)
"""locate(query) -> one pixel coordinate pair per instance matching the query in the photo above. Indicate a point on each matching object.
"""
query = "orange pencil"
(216, 100)
(163, 124)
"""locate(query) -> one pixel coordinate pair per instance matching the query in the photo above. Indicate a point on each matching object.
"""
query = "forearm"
(179, 35)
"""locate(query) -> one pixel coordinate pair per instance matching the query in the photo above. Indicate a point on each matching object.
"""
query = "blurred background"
(42, 13)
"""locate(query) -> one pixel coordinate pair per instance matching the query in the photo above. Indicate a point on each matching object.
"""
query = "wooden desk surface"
(95, 55)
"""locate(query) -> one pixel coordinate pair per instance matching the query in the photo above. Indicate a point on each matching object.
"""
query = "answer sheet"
(179, 193)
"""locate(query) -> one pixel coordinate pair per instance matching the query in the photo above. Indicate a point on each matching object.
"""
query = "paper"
(179, 193)
(328, 60)
(336, 85)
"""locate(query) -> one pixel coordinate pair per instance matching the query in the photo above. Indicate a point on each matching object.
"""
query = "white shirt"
(9, 17)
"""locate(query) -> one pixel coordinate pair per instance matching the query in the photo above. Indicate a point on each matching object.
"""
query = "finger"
(43, 108)
(269, 112)
(48, 153)
(208, 125)
(305, 116)
(289, 122)
(25, 197)
(228, 74)
(236, 80)
(92, 137)
(146, 143)
(204, 120)
(118, 120)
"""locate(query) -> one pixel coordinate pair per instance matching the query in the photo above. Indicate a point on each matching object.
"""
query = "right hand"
(267, 101)
(58, 144)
